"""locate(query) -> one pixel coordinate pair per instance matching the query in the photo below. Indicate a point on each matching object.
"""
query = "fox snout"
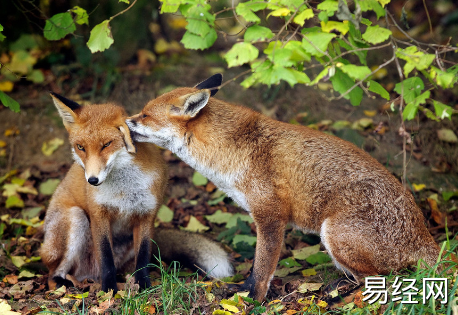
(93, 181)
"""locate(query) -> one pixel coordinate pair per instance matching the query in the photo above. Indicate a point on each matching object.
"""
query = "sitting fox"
(282, 173)
(101, 217)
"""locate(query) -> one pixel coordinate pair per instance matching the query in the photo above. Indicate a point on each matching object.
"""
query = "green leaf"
(304, 15)
(100, 38)
(2, 37)
(414, 59)
(283, 272)
(125, 1)
(303, 253)
(289, 262)
(194, 225)
(165, 214)
(410, 111)
(328, 6)
(26, 274)
(193, 41)
(281, 57)
(219, 217)
(356, 72)
(59, 26)
(198, 27)
(199, 179)
(81, 15)
(241, 53)
(318, 258)
(169, 6)
(342, 83)
(247, 9)
(249, 239)
(306, 287)
(444, 79)
(238, 216)
(9, 102)
(48, 187)
(442, 110)
(372, 5)
(316, 43)
(446, 195)
(377, 88)
(376, 34)
(256, 33)
(299, 54)
(412, 88)
(25, 42)
(14, 201)
(36, 76)
(18, 261)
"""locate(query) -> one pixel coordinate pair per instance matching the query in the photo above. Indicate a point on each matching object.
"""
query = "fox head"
(98, 135)
(164, 119)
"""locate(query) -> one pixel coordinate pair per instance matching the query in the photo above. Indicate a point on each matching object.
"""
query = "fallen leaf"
(26, 274)
(249, 239)
(11, 132)
(370, 113)
(21, 288)
(358, 300)
(165, 214)
(11, 279)
(5, 309)
(195, 226)
(289, 262)
(229, 305)
(418, 187)
(447, 135)
(18, 261)
(48, 187)
(199, 179)
(219, 217)
(303, 253)
(437, 216)
(50, 146)
(2, 144)
(233, 219)
(308, 272)
(318, 258)
(305, 287)
(6, 86)
(283, 272)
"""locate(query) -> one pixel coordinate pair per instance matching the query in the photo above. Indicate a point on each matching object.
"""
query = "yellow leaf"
(384, 2)
(308, 272)
(177, 22)
(5, 217)
(322, 304)
(230, 308)
(11, 132)
(370, 113)
(6, 86)
(2, 153)
(161, 46)
(30, 230)
(280, 12)
(50, 146)
(379, 74)
(418, 187)
(2, 144)
(330, 26)
(18, 261)
(5, 309)
(274, 301)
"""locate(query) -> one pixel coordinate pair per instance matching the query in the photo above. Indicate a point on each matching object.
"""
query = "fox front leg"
(101, 234)
(269, 241)
(143, 235)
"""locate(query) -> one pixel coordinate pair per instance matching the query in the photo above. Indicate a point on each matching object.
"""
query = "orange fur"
(283, 173)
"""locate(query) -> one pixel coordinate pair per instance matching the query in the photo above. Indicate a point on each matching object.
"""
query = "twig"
(123, 11)
(429, 19)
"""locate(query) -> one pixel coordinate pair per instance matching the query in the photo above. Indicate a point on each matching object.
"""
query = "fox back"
(283, 173)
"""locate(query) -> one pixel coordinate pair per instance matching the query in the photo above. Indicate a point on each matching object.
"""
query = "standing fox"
(101, 217)
(282, 173)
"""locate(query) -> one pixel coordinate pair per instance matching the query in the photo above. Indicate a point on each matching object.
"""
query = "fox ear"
(190, 104)
(212, 83)
(66, 108)
(127, 138)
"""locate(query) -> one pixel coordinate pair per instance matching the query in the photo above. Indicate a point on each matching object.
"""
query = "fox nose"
(93, 180)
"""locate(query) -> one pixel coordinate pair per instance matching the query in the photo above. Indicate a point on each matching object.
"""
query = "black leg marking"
(250, 282)
(62, 282)
(141, 269)
(108, 267)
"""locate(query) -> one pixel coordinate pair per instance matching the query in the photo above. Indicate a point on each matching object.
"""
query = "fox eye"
(106, 145)
(144, 116)
(80, 147)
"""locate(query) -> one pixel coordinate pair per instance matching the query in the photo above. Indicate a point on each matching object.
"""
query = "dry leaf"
(437, 216)
(50, 146)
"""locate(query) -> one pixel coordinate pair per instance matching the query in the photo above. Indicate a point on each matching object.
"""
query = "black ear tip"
(69, 103)
(212, 83)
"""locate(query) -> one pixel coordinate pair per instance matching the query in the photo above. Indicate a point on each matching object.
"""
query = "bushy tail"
(192, 250)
